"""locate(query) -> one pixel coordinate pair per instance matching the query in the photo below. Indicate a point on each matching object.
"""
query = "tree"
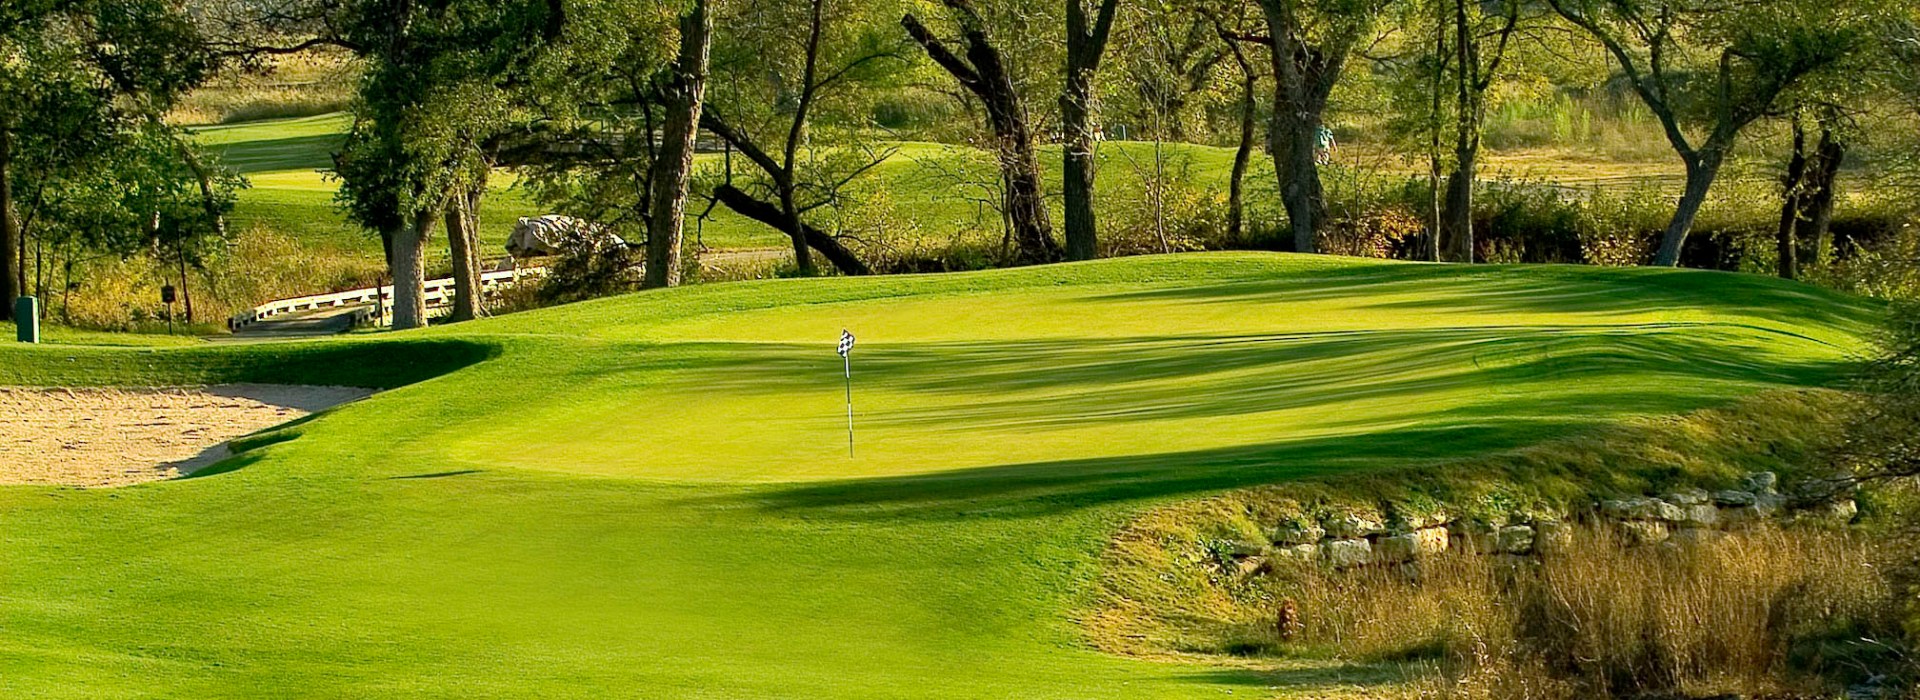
(1311, 41)
(683, 94)
(72, 74)
(620, 104)
(1807, 188)
(1479, 46)
(1707, 69)
(786, 61)
(1249, 112)
(983, 71)
(1086, 43)
(429, 116)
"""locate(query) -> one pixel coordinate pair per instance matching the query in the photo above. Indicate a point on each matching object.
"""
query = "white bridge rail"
(377, 302)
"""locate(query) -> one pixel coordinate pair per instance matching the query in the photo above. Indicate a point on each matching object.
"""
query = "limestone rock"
(1296, 532)
(1514, 539)
(1698, 516)
(1346, 553)
(1410, 546)
(1404, 519)
(1761, 482)
(1687, 497)
(1552, 536)
(1644, 532)
(1299, 553)
(1636, 508)
(1352, 525)
(1732, 498)
(1472, 536)
(1639, 508)
(1253, 566)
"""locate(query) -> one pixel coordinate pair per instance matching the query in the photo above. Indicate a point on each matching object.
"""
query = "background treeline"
(874, 136)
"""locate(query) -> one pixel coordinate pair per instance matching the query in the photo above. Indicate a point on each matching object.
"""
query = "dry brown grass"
(1600, 619)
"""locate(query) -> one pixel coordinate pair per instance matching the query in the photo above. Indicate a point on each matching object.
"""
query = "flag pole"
(847, 359)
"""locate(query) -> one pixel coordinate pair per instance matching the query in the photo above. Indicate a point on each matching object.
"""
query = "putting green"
(650, 495)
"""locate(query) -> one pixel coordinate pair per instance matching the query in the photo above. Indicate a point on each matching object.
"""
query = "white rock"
(1298, 532)
(1346, 553)
(1644, 532)
(1733, 499)
(1514, 539)
(1552, 536)
(1697, 516)
(1351, 525)
(1687, 497)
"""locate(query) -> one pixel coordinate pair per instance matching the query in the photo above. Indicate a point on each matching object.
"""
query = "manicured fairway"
(650, 496)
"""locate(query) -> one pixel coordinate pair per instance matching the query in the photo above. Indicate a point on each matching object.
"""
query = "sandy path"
(115, 437)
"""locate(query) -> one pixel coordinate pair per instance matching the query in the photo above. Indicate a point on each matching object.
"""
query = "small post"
(846, 359)
(166, 297)
(26, 313)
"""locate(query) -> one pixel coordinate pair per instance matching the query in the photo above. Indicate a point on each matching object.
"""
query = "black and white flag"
(846, 343)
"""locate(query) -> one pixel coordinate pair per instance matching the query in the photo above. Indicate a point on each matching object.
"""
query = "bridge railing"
(377, 300)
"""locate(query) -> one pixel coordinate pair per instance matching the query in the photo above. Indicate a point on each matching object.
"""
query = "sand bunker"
(115, 437)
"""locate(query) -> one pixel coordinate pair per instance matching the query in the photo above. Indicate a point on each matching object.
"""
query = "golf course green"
(651, 495)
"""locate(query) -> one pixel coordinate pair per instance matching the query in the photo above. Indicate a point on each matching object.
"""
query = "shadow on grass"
(1540, 289)
(1492, 388)
(291, 153)
(1319, 677)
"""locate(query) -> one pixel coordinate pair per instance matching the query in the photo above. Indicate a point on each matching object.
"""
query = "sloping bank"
(1687, 556)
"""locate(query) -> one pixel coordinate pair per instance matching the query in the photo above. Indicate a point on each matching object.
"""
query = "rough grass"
(651, 495)
(1156, 603)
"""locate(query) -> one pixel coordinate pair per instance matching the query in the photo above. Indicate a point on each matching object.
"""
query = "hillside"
(650, 495)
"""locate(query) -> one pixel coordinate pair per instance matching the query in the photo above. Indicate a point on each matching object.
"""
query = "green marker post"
(26, 316)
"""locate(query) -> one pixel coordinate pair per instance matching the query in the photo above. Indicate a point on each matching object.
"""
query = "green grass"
(286, 160)
(650, 495)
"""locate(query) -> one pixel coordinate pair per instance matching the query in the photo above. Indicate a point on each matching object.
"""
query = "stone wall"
(1396, 533)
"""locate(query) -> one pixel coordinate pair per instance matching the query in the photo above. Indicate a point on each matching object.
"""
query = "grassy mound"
(651, 494)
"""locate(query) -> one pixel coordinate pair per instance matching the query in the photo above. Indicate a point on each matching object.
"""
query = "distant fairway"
(285, 161)
(649, 496)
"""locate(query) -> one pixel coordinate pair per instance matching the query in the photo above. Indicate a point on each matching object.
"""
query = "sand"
(117, 437)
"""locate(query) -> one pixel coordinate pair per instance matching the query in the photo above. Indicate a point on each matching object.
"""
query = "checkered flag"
(846, 359)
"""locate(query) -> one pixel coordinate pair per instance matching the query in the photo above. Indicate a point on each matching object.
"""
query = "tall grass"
(1739, 614)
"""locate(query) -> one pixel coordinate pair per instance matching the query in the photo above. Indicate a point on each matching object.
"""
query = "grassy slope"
(648, 496)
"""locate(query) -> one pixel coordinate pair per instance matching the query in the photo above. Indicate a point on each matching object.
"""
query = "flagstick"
(848, 360)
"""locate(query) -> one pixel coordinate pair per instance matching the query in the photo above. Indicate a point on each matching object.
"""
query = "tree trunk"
(1242, 157)
(1456, 220)
(10, 287)
(745, 205)
(985, 74)
(1085, 46)
(1818, 204)
(186, 294)
(1078, 167)
(463, 245)
(1292, 141)
(673, 167)
(1303, 77)
(410, 272)
(1792, 189)
(796, 235)
(1701, 171)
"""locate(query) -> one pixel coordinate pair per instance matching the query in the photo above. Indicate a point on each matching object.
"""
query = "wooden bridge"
(339, 312)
